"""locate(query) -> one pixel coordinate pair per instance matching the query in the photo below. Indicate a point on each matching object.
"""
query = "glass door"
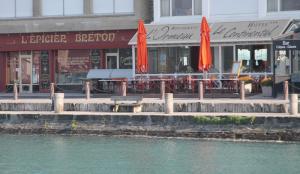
(112, 60)
(25, 73)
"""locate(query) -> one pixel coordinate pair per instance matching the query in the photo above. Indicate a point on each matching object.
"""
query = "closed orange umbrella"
(142, 53)
(205, 61)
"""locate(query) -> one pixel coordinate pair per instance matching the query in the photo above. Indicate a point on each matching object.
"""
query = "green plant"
(246, 79)
(266, 82)
(74, 125)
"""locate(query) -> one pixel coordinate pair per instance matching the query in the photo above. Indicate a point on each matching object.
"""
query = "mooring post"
(59, 102)
(294, 104)
(286, 90)
(15, 91)
(123, 88)
(162, 89)
(169, 103)
(242, 90)
(51, 91)
(87, 90)
(200, 90)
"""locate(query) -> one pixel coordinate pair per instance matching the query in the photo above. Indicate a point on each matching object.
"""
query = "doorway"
(25, 75)
(112, 60)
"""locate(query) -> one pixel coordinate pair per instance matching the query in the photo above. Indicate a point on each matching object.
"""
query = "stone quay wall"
(161, 125)
(154, 107)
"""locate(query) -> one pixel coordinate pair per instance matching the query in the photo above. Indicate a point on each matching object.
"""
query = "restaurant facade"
(174, 48)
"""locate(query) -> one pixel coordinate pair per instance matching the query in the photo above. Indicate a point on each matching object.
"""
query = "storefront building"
(60, 41)
(244, 35)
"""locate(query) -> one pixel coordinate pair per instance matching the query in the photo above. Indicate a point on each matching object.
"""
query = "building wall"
(86, 22)
(226, 10)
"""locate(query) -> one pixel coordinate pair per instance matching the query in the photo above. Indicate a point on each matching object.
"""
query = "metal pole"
(15, 91)
(242, 90)
(200, 90)
(87, 90)
(162, 89)
(123, 88)
(51, 90)
(286, 90)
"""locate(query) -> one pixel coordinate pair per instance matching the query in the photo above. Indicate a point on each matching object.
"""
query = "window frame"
(114, 10)
(63, 12)
(15, 16)
(279, 2)
(171, 9)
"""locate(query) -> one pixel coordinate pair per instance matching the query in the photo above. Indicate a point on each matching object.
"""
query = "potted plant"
(248, 83)
(266, 86)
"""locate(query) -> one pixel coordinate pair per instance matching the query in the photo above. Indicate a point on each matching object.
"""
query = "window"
(254, 58)
(181, 7)
(15, 8)
(283, 5)
(113, 6)
(227, 58)
(62, 7)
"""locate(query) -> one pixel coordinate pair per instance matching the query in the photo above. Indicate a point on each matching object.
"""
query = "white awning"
(244, 31)
(109, 73)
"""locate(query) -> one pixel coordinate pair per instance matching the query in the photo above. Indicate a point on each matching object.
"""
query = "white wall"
(226, 10)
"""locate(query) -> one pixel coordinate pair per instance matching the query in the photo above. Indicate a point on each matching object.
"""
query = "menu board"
(45, 73)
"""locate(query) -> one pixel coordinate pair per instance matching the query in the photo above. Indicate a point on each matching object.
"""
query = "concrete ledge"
(188, 106)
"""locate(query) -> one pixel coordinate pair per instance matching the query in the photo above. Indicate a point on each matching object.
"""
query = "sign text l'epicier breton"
(64, 38)
(104, 39)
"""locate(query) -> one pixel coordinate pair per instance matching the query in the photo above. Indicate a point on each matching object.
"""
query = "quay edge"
(191, 125)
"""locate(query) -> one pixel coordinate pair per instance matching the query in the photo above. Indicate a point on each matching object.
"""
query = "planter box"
(266, 91)
(248, 88)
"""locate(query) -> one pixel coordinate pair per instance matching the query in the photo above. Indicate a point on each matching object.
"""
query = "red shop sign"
(66, 40)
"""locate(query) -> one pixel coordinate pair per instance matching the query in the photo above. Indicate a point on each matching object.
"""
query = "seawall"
(193, 125)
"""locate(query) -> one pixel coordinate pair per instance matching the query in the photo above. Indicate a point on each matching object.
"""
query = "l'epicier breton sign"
(248, 30)
(66, 40)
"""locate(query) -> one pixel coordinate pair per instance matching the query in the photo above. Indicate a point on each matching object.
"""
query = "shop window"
(13, 68)
(170, 60)
(254, 58)
(62, 7)
(113, 6)
(15, 8)
(72, 65)
(283, 5)
(125, 56)
(181, 7)
(227, 58)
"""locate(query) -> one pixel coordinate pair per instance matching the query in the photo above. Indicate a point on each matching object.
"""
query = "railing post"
(242, 90)
(15, 91)
(87, 90)
(286, 90)
(294, 104)
(162, 89)
(123, 88)
(169, 103)
(51, 91)
(59, 102)
(200, 90)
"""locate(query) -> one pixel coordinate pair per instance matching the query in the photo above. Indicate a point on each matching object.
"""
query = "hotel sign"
(286, 45)
(248, 30)
(66, 40)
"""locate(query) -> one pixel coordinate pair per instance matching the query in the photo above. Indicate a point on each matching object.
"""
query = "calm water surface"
(24, 154)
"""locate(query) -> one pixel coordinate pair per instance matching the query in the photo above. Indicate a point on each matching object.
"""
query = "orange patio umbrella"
(142, 53)
(205, 61)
